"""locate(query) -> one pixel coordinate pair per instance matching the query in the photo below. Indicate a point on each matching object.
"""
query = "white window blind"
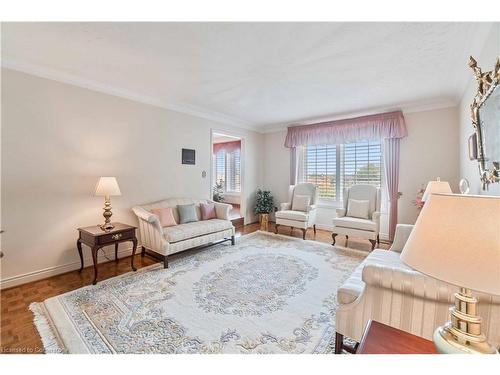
(333, 167)
(320, 168)
(227, 169)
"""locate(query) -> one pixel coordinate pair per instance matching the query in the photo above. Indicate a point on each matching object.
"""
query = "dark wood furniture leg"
(165, 261)
(339, 343)
(276, 228)
(134, 241)
(378, 239)
(333, 238)
(143, 251)
(303, 233)
(373, 242)
(79, 247)
(314, 228)
(116, 252)
(232, 240)
(346, 239)
(95, 249)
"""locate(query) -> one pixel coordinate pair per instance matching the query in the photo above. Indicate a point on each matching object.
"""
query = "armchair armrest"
(285, 206)
(222, 210)
(400, 237)
(376, 216)
(340, 212)
(312, 207)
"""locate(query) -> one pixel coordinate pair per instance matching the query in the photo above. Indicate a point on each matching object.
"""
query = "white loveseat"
(165, 241)
(385, 289)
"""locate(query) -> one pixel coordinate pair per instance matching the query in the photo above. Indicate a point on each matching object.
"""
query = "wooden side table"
(95, 238)
(382, 339)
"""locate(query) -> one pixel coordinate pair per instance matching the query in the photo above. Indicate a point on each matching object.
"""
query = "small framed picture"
(188, 156)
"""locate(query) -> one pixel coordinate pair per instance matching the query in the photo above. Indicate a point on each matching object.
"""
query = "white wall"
(430, 150)
(469, 169)
(58, 139)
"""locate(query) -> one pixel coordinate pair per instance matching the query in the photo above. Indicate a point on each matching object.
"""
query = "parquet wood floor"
(17, 331)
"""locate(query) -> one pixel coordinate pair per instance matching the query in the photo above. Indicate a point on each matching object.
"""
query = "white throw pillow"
(359, 209)
(300, 203)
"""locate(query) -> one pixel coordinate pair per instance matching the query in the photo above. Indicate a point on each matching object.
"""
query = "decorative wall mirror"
(484, 144)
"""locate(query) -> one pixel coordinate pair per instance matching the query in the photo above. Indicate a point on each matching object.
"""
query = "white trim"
(57, 270)
(74, 80)
(39, 71)
(410, 107)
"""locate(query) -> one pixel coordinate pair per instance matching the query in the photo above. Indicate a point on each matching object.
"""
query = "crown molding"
(406, 108)
(55, 75)
(214, 116)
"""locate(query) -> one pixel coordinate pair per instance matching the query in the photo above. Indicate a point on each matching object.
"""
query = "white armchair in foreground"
(360, 214)
(300, 210)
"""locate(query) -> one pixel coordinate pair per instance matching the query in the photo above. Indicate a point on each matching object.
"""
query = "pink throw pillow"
(166, 216)
(208, 211)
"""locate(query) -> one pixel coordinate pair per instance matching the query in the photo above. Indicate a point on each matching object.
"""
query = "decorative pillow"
(208, 211)
(300, 202)
(166, 216)
(187, 213)
(359, 209)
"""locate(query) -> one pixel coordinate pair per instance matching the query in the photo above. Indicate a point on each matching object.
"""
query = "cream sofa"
(165, 241)
(385, 289)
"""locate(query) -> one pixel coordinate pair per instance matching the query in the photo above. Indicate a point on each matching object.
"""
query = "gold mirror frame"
(486, 84)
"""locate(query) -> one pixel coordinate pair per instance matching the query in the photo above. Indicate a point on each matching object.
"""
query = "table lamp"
(435, 187)
(456, 239)
(106, 187)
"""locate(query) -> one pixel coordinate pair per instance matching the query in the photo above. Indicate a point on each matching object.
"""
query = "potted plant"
(264, 205)
(218, 192)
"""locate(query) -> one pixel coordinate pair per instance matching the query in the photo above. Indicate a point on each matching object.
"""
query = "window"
(334, 167)
(227, 167)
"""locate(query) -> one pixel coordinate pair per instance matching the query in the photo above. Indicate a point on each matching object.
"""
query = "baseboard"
(9, 282)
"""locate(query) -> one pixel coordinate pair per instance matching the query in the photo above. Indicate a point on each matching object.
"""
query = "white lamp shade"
(456, 239)
(436, 187)
(107, 186)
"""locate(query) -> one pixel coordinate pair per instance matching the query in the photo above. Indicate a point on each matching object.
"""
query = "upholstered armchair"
(300, 210)
(360, 214)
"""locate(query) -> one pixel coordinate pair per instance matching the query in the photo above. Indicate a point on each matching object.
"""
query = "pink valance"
(227, 146)
(383, 125)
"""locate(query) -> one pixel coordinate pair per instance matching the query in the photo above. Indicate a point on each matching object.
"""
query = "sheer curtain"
(391, 166)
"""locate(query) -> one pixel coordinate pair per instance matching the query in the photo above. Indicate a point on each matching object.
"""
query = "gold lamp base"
(107, 226)
(463, 334)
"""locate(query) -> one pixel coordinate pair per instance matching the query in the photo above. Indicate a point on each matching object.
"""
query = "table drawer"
(120, 236)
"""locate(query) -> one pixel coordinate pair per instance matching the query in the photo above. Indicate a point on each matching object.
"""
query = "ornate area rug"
(268, 294)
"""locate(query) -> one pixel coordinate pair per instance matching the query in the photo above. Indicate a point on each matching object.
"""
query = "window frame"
(340, 172)
(230, 164)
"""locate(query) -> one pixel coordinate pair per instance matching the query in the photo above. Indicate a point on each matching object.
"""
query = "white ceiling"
(255, 75)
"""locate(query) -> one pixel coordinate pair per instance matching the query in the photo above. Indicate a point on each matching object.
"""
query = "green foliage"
(264, 203)
(218, 192)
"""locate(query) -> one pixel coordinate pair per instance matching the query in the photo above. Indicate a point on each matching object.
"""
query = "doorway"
(227, 173)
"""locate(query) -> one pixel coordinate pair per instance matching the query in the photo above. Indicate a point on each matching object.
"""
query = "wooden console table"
(382, 339)
(96, 238)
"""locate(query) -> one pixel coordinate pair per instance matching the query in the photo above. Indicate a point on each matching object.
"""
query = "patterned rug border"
(47, 330)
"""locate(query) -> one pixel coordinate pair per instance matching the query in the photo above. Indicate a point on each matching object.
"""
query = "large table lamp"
(436, 187)
(456, 239)
(107, 187)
